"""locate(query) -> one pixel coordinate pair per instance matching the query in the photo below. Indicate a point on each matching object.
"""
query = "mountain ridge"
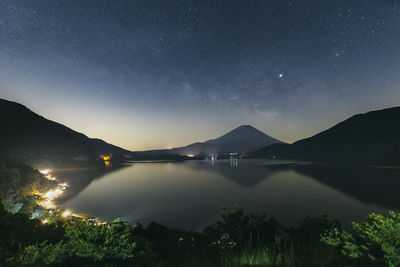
(366, 137)
(242, 139)
(34, 140)
(373, 136)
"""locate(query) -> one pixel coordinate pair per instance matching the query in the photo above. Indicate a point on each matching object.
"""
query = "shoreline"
(47, 210)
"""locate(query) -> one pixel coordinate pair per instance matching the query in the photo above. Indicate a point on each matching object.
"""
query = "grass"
(277, 254)
(259, 257)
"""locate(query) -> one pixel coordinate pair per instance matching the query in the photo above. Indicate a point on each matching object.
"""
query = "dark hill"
(34, 140)
(363, 137)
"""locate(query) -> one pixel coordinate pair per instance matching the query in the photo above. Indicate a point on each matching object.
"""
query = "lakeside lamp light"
(66, 213)
(45, 171)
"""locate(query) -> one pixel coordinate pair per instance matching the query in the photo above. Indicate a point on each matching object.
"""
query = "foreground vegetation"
(236, 239)
(18, 183)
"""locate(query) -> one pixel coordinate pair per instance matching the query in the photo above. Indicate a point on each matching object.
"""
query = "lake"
(191, 194)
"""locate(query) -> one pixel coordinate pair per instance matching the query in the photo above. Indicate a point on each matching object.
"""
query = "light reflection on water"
(191, 194)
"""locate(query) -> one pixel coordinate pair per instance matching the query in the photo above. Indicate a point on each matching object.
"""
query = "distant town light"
(63, 184)
(51, 178)
(45, 172)
(46, 199)
(106, 157)
(66, 213)
(52, 194)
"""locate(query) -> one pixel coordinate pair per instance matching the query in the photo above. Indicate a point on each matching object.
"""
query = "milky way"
(154, 74)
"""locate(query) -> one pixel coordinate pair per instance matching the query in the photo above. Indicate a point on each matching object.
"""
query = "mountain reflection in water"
(191, 194)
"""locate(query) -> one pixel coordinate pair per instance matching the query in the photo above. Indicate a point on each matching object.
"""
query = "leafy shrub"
(94, 243)
(17, 230)
(20, 178)
(377, 239)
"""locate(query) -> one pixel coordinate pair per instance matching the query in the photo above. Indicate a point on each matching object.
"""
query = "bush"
(377, 239)
(17, 230)
(98, 243)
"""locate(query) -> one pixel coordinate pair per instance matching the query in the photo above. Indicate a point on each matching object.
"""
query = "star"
(280, 75)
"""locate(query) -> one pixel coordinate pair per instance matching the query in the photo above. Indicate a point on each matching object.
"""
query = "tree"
(237, 229)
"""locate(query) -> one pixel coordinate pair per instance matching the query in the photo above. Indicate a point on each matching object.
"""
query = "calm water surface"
(192, 194)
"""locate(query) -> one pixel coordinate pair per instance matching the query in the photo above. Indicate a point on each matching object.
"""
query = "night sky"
(157, 74)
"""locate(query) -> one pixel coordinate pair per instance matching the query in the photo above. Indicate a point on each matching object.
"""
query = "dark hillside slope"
(34, 140)
(364, 137)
